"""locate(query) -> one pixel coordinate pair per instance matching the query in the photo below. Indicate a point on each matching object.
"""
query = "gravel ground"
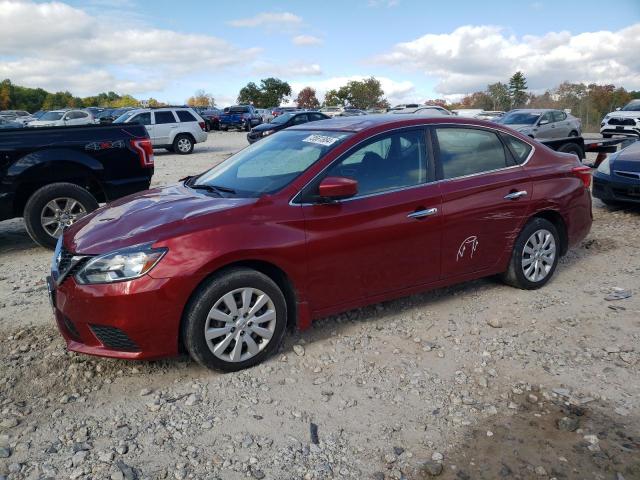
(475, 381)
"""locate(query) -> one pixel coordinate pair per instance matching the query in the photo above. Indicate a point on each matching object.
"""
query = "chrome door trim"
(423, 213)
(515, 195)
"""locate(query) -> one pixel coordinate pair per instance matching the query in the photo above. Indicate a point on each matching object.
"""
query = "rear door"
(562, 124)
(384, 239)
(164, 124)
(485, 197)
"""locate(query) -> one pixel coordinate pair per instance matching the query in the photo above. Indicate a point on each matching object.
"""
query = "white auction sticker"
(320, 140)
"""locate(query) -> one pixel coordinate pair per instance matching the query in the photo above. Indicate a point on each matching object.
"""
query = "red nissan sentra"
(314, 220)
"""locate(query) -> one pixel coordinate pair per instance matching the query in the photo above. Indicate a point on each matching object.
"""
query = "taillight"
(202, 126)
(584, 173)
(145, 151)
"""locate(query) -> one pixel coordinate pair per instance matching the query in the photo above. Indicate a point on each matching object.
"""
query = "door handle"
(515, 195)
(423, 213)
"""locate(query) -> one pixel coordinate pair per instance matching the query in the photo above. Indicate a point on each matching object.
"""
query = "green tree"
(307, 98)
(499, 94)
(363, 94)
(273, 92)
(518, 90)
(333, 98)
(250, 94)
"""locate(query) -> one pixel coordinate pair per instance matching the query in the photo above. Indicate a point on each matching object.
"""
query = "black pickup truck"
(53, 176)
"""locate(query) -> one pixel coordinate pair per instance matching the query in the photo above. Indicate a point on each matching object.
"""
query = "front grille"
(71, 328)
(622, 121)
(114, 338)
(69, 264)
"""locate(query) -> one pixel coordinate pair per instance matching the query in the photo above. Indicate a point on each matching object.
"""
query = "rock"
(623, 412)
(437, 457)
(5, 452)
(79, 458)
(122, 449)
(145, 391)
(377, 476)
(568, 424)
(428, 469)
(106, 457)
(398, 450)
(128, 472)
(483, 382)
(9, 422)
(259, 474)
(540, 471)
(494, 323)
(299, 350)
(192, 400)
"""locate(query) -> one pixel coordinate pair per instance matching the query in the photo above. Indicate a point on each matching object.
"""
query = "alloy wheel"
(60, 213)
(240, 324)
(538, 255)
(184, 145)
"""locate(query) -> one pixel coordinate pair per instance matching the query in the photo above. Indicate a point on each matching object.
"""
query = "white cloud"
(268, 19)
(470, 57)
(287, 70)
(56, 46)
(302, 40)
(395, 91)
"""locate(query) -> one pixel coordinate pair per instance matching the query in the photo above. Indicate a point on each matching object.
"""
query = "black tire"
(572, 148)
(205, 298)
(514, 275)
(224, 128)
(183, 144)
(216, 125)
(207, 126)
(41, 197)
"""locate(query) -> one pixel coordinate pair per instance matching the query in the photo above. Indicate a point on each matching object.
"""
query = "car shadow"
(14, 238)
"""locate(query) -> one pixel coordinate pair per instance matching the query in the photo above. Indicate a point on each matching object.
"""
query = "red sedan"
(314, 220)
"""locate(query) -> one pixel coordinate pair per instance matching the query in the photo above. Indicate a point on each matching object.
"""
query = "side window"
(70, 116)
(559, 116)
(82, 114)
(519, 148)
(466, 151)
(299, 119)
(142, 119)
(386, 163)
(548, 117)
(164, 117)
(185, 116)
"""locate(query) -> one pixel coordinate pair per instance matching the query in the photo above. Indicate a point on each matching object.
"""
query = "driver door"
(548, 130)
(384, 239)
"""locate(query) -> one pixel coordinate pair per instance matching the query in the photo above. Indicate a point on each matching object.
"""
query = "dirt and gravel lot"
(475, 381)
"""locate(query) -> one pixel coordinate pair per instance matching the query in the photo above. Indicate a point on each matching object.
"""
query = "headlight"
(267, 132)
(125, 264)
(605, 167)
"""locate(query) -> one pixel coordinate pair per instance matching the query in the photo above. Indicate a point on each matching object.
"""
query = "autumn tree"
(201, 99)
(518, 90)
(307, 98)
(6, 94)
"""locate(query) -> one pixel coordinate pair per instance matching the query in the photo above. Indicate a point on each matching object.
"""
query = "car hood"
(621, 114)
(628, 159)
(149, 216)
(263, 127)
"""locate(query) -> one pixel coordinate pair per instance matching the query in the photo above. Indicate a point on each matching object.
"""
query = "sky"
(419, 50)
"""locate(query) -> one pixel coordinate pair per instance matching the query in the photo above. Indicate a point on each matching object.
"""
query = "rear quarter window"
(519, 149)
(186, 116)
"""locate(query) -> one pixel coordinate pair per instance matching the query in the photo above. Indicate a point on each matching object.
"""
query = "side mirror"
(543, 122)
(337, 188)
(618, 109)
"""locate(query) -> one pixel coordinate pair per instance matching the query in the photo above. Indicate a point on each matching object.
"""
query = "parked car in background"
(404, 106)
(265, 114)
(211, 118)
(422, 110)
(542, 123)
(221, 264)
(490, 115)
(63, 118)
(54, 176)
(467, 112)
(175, 129)
(332, 111)
(351, 112)
(242, 117)
(373, 111)
(283, 121)
(617, 178)
(4, 123)
(282, 110)
(624, 121)
(109, 115)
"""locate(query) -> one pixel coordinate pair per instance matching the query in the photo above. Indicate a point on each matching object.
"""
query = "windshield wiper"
(213, 188)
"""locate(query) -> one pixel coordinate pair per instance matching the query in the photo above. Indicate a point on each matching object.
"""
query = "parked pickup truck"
(243, 117)
(52, 176)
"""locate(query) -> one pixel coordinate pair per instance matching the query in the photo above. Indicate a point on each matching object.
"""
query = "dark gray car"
(544, 124)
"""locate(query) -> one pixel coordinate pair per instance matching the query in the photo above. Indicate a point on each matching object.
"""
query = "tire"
(183, 144)
(216, 125)
(572, 148)
(224, 128)
(515, 274)
(207, 126)
(210, 297)
(42, 205)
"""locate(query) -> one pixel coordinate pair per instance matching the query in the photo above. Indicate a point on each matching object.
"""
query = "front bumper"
(620, 130)
(608, 189)
(138, 319)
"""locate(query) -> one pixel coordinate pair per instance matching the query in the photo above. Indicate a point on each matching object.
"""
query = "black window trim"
(499, 133)
(302, 198)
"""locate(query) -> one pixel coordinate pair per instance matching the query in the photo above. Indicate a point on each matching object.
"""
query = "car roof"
(534, 110)
(364, 122)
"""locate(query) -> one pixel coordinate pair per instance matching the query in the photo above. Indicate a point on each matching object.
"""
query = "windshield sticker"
(320, 140)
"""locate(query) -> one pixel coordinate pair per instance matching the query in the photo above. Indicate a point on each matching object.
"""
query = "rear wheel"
(235, 320)
(572, 148)
(54, 207)
(183, 144)
(535, 255)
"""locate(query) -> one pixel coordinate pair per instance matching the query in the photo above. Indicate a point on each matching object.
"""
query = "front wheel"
(52, 208)
(535, 255)
(235, 320)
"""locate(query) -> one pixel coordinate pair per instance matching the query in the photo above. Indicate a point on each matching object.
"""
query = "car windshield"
(124, 117)
(520, 118)
(632, 106)
(52, 116)
(270, 164)
(280, 119)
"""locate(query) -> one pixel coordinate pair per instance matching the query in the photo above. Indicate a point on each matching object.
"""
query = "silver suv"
(624, 121)
(177, 129)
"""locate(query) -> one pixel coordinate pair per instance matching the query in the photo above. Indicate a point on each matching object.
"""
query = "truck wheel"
(572, 148)
(183, 144)
(224, 128)
(52, 208)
